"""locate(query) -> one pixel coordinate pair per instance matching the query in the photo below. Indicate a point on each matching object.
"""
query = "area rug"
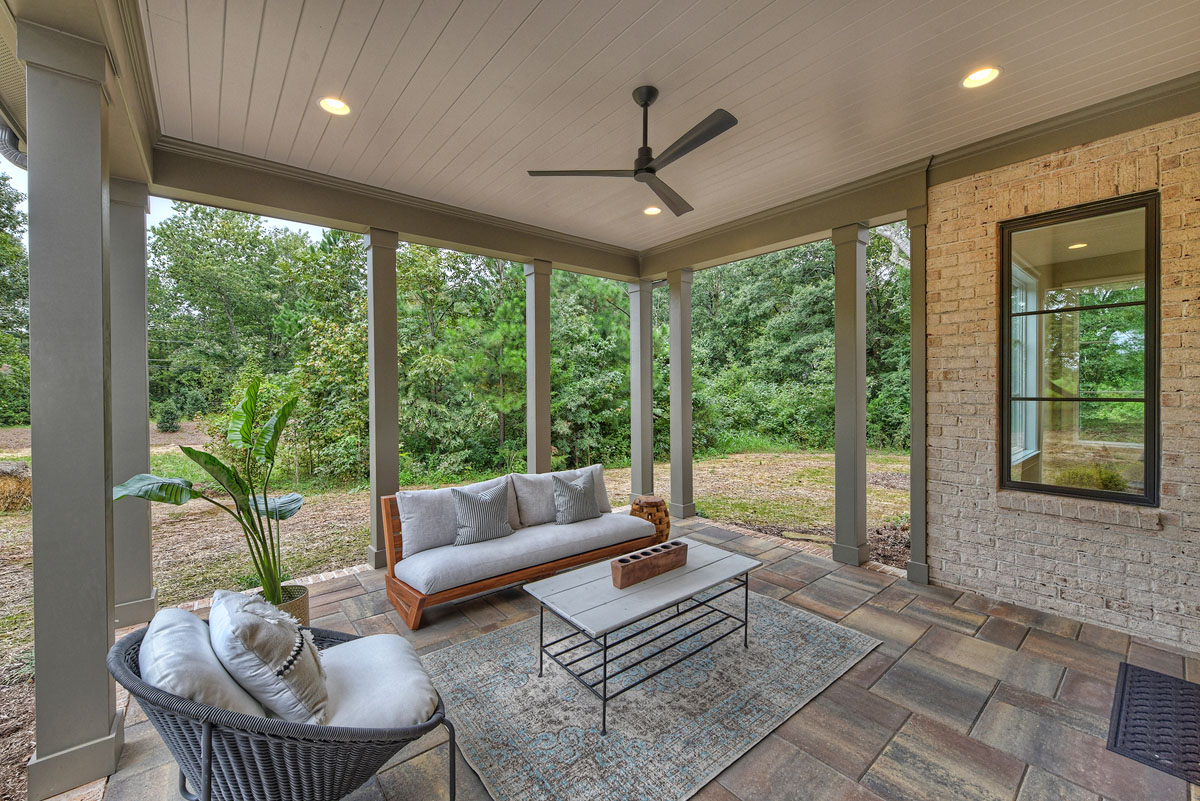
(1156, 720)
(538, 739)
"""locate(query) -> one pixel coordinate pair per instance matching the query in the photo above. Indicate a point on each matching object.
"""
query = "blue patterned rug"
(538, 739)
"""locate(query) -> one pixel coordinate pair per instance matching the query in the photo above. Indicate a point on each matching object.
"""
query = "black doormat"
(1156, 720)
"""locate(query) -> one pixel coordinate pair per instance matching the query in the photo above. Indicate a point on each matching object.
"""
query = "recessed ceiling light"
(1077, 246)
(981, 76)
(335, 106)
(652, 210)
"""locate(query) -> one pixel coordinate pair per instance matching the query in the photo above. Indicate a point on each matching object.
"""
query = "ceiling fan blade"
(708, 128)
(668, 195)
(585, 173)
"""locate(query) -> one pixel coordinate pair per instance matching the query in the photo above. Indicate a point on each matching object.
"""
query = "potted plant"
(258, 514)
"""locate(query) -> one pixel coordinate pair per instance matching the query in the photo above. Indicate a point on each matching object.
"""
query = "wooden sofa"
(411, 603)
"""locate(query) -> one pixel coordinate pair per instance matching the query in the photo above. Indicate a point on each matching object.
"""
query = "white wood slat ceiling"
(453, 100)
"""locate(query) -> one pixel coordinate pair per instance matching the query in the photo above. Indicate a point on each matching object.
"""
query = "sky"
(160, 208)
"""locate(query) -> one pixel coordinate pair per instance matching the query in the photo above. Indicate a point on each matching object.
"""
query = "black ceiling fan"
(646, 165)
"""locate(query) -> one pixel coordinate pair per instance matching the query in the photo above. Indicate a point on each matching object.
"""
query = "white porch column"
(79, 732)
(134, 594)
(384, 393)
(537, 366)
(641, 388)
(918, 561)
(850, 394)
(679, 285)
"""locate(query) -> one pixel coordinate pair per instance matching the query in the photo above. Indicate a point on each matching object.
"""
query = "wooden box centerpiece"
(641, 565)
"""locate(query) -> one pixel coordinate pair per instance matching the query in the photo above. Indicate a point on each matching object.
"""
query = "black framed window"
(1079, 351)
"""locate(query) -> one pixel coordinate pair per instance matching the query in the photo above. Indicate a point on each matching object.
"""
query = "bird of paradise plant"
(258, 515)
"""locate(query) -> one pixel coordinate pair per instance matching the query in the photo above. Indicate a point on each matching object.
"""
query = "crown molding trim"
(199, 173)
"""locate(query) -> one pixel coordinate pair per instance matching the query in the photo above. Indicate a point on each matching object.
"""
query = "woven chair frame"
(234, 757)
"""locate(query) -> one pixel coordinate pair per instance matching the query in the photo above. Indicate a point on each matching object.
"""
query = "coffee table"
(604, 620)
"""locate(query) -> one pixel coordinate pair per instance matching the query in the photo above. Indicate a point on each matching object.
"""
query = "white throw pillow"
(176, 657)
(267, 653)
(377, 682)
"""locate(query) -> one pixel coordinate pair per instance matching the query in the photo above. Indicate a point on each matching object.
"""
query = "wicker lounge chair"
(234, 757)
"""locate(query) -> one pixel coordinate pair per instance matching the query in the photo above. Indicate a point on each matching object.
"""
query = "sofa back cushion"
(176, 657)
(535, 493)
(428, 519)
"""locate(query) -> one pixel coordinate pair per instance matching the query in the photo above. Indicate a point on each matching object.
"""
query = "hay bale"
(16, 486)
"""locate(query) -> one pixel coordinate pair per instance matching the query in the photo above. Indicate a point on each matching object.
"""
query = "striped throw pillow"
(481, 516)
(575, 500)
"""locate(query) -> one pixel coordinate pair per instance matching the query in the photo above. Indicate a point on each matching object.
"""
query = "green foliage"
(1094, 476)
(14, 381)
(167, 416)
(253, 508)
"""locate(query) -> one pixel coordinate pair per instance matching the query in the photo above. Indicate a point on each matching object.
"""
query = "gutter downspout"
(10, 147)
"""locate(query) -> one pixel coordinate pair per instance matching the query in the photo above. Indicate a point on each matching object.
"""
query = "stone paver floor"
(967, 699)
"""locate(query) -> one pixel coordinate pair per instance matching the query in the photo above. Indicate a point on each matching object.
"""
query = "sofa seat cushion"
(535, 493)
(377, 682)
(428, 519)
(444, 568)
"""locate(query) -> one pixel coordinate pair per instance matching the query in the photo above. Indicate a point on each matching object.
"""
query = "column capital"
(681, 276)
(854, 232)
(539, 267)
(61, 52)
(917, 215)
(636, 287)
(129, 193)
(382, 238)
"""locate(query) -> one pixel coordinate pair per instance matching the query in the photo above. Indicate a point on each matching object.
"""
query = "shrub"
(194, 403)
(1095, 476)
(14, 382)
(167, 416)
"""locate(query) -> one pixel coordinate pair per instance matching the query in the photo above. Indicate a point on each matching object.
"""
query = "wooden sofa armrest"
(649, 507)
(393, 539)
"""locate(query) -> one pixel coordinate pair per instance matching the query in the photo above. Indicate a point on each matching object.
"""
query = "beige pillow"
(269, 655)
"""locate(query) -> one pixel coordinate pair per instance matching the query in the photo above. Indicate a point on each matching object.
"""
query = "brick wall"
(1121, 566)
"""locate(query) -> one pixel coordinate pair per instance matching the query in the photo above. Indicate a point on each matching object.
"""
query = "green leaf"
(225, 476)
(241, 419)
(175, 491)
(268, 438)
(280, 508)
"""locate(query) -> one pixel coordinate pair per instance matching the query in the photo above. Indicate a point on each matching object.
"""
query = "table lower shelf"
(595, 662)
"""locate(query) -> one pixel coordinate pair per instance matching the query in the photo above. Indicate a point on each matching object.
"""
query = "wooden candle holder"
(641, 565)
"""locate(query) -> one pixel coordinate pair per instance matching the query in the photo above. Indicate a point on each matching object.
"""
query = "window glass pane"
(1086, 445)
(1097, 260)
(1092, 353)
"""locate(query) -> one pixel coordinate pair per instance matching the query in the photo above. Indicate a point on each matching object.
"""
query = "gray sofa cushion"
(574, 500)
(481, 516)
(535, 493)
(443, 568)
(377, 682)
(427, 518)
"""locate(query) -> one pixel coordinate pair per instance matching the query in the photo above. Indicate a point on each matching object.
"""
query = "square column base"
(376, 557)
(850, 554)
(682, 510)
(56, 773)
(918, 572)
(132, 613)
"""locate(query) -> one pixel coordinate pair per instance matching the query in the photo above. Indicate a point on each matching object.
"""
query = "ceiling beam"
(199, 174)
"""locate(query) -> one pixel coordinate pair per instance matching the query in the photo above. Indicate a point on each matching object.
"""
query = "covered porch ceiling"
(452, 102)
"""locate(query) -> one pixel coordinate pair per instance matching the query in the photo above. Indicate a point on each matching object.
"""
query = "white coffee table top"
(587, 598)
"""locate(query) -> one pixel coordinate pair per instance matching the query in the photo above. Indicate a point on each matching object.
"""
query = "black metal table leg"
(541, 637)
(604, 692)
(746, 612)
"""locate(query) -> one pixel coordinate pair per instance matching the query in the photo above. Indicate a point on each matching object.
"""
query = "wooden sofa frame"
(412, 603)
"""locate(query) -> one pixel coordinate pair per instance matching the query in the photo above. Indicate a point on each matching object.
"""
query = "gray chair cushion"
(440, 569)
(535, 493)
(377, 682)
(574, 500)
(176, 657)
(428, 520)
(481, 516)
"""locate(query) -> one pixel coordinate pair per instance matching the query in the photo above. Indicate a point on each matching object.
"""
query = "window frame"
(1152, 450)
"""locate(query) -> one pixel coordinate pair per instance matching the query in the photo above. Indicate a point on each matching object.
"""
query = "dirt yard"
(198, 548)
